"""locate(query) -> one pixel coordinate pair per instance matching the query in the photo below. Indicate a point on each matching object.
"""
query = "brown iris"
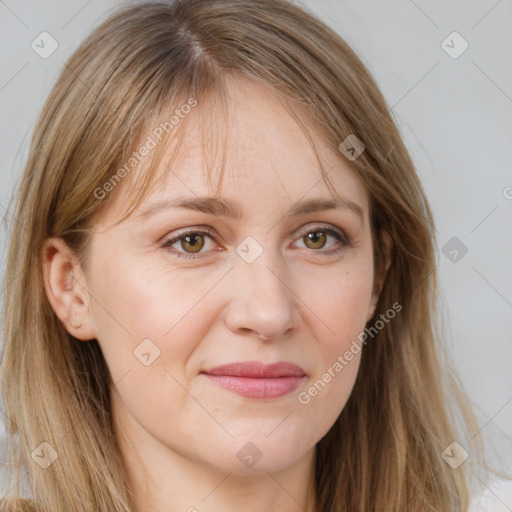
(318, 239)
(194, 242)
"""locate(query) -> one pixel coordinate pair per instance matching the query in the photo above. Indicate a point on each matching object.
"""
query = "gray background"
(454, 113)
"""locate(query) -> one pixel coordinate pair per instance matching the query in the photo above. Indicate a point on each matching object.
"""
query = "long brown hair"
(384, 452)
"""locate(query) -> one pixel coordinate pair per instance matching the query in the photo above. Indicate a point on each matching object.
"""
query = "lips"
(256, 369)
(256, 380)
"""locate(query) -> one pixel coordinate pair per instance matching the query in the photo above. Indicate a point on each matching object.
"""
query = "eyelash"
(340, 236)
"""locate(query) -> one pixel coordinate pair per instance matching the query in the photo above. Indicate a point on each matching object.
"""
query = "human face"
(254, 289)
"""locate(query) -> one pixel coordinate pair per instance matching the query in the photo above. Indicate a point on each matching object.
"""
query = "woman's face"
(248, 292)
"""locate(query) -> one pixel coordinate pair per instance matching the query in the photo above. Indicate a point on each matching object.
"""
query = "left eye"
(192, 242)
(317, 237)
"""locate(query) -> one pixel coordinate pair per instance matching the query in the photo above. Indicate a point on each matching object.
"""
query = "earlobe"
(65, 288)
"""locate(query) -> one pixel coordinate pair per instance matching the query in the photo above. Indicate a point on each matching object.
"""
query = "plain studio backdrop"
(445, 70)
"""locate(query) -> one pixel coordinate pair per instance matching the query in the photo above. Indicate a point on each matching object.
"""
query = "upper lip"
(257, 369)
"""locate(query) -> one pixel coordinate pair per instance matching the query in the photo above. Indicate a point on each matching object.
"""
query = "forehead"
(262, 150)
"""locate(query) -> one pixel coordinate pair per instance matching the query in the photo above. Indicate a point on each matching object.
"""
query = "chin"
(258, 454)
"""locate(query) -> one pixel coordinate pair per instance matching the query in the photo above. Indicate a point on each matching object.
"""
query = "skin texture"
(175, 427)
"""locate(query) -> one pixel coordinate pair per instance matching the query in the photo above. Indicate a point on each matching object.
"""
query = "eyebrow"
(223, 208)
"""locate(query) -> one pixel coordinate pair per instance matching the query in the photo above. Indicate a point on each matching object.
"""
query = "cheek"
(338, 315)
(340, 300)
(135, 303)
(149, 322)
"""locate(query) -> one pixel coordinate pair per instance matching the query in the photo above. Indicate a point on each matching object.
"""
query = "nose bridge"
(262, 297)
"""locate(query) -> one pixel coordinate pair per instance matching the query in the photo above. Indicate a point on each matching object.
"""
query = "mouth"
(255, 380)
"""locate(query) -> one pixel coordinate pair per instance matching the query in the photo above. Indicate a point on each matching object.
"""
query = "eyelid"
(327, 227)
(188, 231)
(168, 241)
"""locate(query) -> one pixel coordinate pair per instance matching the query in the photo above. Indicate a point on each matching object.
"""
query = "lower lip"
(257, 388)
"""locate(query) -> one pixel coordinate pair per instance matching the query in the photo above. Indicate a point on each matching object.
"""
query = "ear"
(378, 281)
(65, 286)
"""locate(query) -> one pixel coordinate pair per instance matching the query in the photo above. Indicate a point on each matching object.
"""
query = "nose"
(263, 301)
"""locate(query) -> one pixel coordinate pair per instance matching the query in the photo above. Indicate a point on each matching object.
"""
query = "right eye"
(190, 241)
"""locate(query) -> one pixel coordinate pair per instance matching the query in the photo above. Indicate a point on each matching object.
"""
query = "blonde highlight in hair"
(131, 73)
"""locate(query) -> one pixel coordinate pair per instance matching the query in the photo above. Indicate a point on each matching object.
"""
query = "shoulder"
(496, 497)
